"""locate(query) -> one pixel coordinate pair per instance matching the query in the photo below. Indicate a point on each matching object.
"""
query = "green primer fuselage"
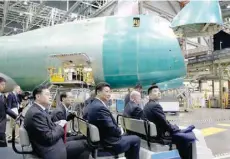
(120, 54)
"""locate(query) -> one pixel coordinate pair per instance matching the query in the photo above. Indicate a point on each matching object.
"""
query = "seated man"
(133, 109)
(110, 133)
(90, 99)
(62, 112)
(45, 136)
(154, 113)
(138, 88)
(87, 102)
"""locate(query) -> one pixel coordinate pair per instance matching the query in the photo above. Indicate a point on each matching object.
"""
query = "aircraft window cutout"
(136, 22)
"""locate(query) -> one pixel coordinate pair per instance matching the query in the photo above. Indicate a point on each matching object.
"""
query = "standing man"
(110, 133)
(46, 137)
(3, 111)
(13, 101)
(138, 88)
(133, 109)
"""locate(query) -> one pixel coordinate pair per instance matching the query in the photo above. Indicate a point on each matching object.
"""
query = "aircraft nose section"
(198, 18)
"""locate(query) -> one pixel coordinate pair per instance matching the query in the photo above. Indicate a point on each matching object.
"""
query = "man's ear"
(37, 96)
(98, 93)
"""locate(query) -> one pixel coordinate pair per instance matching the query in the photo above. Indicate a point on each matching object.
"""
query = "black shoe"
(3, 143)
(9, 141)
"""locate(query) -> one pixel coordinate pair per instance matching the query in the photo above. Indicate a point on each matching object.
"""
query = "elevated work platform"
(70, 73)
(71, 70)
(222, 56)
(72, 84)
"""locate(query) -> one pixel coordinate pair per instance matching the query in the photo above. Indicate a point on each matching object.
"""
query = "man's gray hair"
(134, 93)
(92, 94)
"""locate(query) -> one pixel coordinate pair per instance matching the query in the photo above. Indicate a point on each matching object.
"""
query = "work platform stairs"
(52, 88)
(80, 91)
(53, 92)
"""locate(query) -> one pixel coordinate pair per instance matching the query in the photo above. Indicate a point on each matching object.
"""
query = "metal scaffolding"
(20, 16)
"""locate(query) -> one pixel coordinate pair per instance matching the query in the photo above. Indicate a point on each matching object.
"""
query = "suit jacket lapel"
(63, 110)
(111, 115)
(48, 118)
(39, 107)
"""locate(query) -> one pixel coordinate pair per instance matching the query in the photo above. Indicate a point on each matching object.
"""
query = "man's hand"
(73, 113)
(61, 123)
(167, 134)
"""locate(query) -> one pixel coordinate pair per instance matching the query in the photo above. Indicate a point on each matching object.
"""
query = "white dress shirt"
(40, 106)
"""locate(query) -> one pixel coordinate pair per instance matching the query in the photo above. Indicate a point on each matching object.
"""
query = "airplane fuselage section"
(120, 54)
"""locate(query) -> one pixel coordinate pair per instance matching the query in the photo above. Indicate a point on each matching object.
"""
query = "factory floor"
(214, 124)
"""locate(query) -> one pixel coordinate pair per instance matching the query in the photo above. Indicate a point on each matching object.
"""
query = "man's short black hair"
(38, 90)
(2, 79)
(151, 88)
(63, 95)
(100, 86)
(138, 86)
(25, 95)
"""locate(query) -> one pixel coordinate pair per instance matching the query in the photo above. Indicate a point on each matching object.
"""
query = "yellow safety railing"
(61, 77)
(56, 77)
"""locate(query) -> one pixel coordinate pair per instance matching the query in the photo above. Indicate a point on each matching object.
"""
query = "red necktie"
(65, 132)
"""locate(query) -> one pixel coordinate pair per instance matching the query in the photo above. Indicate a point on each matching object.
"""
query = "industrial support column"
(213, 88)
(220, 87)
(214, 70)
(140, 6)
(220, 82)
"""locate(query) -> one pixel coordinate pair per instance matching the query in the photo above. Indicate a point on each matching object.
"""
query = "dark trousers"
(71, 138)
(185, 150)
(3, 142)
(77, 149)
(128, 144)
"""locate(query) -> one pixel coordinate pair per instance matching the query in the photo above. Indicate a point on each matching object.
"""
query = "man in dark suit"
(154, 113)
(90, 99)
(13, 102)
(110, 133)
(3, 111)
(87, 102)
(62, 111)
(132, 109)
(138, 88)
(46, 136)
